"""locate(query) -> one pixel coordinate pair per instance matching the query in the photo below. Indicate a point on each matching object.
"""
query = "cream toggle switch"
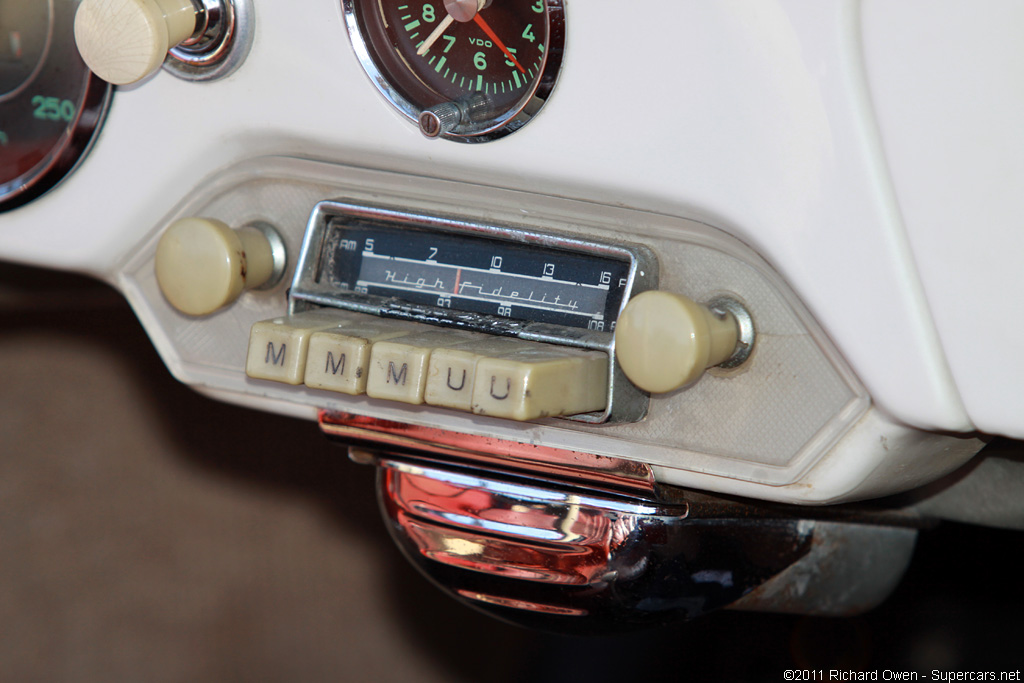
(664, 341)
(202, 264)
(123, 41)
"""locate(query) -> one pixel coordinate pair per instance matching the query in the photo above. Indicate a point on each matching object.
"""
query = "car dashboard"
(573, 277)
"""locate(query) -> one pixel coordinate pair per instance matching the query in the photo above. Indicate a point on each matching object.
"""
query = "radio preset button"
(395, 360)
(398, 369)
(546, 381)
(452, 371)
(278, 347)
(339, 359)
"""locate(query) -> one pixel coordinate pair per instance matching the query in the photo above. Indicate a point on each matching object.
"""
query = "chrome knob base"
(221, 42)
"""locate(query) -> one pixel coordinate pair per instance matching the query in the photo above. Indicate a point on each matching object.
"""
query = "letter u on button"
(462, 384)
(508, 388)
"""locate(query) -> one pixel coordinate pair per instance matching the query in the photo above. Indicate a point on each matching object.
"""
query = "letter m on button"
(275, 357)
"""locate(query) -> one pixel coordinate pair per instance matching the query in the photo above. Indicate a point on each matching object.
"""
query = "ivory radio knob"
(664, 341)
(203, 265)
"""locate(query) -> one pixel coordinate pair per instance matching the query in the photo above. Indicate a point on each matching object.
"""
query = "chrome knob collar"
(221, 42)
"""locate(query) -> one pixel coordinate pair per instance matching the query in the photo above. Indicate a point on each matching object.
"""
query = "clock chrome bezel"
(496, 127)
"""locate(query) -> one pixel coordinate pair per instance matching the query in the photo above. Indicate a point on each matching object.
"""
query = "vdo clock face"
(469, 70)
(51, 105)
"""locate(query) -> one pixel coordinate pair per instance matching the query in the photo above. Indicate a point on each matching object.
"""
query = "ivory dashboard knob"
(203, 265)
(123, 41)
(664, 341)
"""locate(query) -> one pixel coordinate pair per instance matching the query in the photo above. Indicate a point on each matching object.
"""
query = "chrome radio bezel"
(626, 403)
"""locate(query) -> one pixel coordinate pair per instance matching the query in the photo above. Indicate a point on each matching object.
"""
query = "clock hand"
(497, 41)
(434, 35)
(461, 11)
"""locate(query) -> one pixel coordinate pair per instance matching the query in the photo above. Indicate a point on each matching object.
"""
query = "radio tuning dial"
(665, 341)
(203, 265)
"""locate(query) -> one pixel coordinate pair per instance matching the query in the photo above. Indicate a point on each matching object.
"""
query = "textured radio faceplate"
(766, 422)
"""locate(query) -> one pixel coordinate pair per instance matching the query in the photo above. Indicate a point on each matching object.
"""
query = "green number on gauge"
(53, 109)
(51, 106)
(474, 64)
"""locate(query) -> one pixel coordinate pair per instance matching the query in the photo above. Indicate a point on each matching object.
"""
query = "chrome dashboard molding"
(626, 403)
(570, 559)
(598, 471)
(566, 556)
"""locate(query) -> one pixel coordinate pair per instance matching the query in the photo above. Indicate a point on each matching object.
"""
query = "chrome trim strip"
(533, 459)
(527, 605)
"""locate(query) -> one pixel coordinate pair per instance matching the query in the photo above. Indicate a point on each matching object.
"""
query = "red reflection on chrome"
(487, 527)
(523, 604)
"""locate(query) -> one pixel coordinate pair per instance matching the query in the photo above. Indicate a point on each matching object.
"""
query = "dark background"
(149, 533)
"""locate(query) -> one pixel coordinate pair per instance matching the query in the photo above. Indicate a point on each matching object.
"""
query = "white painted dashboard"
(841, 151)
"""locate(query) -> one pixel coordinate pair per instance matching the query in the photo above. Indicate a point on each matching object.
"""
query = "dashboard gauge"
(466, 70)
(51, 105)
